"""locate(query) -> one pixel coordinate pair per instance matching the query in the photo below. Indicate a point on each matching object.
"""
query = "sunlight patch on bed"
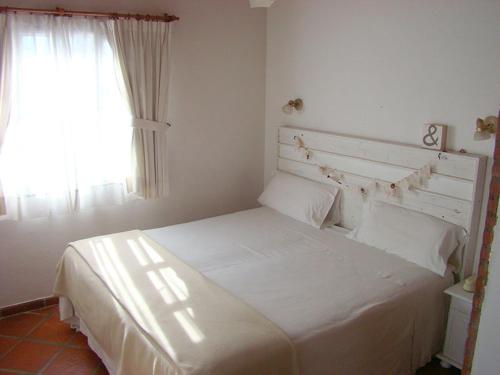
(152, 253)
(138, 252)
(111, 273)
(96, 248)
(175, 283)
(189, 326)
(112, 267)
(162, 288)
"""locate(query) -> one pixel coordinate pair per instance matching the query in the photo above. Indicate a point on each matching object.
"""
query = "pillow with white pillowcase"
(333, 217)
(302, 199)
(417, 237)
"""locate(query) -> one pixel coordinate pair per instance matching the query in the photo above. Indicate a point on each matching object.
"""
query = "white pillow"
(304, 200)
(333, 217)
(414, 236)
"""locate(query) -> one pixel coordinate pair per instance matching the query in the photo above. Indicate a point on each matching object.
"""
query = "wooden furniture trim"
(456, 334)
(458, 291)
(28, 306)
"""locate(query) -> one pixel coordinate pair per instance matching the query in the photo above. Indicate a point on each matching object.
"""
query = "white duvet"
(347, 307)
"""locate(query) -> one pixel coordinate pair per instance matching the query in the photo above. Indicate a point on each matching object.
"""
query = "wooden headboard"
(453, 193)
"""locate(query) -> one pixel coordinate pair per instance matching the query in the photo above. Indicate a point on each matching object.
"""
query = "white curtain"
(67, 145)
(143, 54)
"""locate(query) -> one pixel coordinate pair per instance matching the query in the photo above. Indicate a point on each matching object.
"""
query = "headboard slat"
(456, 165)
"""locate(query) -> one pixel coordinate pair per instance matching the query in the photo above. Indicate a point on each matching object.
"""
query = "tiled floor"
(37, 342)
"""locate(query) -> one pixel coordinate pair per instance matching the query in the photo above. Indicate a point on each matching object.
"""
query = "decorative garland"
(413, 181)
(301, 146)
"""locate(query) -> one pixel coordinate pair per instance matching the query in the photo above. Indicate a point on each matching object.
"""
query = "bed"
(345, 307)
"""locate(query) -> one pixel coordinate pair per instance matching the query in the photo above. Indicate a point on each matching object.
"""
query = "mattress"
(346, 307)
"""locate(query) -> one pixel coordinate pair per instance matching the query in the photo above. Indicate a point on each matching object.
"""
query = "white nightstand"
(458, 324)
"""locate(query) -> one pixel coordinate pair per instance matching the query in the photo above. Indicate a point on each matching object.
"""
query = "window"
(68, 140)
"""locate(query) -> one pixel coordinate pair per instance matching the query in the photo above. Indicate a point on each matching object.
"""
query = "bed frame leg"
(445, 364)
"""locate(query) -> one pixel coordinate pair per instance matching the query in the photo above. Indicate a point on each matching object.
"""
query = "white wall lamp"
(261, 3)
(485, 128)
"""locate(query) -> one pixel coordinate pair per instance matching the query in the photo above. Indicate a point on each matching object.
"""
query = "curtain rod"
(68, 13)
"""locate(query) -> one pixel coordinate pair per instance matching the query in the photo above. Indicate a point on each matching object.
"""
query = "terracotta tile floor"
(37, 342)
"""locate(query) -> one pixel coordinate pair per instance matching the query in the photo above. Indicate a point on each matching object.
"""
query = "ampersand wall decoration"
(434, 137)
(431, 139)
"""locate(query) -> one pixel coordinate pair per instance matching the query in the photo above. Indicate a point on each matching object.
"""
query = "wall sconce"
(296, 104)
(485, 128)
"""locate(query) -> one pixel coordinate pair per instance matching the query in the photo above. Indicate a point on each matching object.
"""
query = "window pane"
(69, 127)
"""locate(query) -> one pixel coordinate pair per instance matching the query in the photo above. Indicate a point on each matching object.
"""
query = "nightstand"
(457, 328)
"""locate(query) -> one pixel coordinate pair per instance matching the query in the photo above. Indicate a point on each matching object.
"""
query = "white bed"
(346, 307)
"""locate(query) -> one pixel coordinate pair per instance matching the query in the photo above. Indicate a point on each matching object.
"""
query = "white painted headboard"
(453, 193)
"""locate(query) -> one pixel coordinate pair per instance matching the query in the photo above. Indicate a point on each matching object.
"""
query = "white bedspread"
(348, 308)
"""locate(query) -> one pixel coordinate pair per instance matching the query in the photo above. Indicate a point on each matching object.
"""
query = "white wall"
(216, 144)
(381, 69)
(488, 339)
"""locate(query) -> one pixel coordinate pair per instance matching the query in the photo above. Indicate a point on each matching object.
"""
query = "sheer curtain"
(67, 145)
